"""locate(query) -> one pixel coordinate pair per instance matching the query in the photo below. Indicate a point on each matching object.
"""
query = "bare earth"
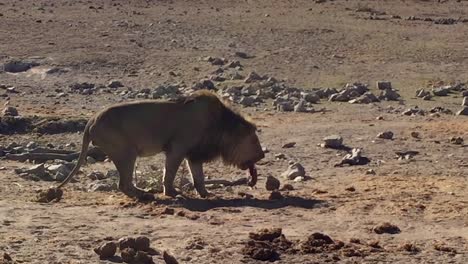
(308, 45)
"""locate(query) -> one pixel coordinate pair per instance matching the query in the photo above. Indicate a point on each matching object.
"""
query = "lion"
(198, 128)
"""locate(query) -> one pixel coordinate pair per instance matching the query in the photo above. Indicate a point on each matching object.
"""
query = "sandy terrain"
(306, 44)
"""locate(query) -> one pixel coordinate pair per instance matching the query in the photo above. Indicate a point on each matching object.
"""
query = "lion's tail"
(83, 155)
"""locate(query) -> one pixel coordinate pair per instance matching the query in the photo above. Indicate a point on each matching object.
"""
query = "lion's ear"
(189, 100)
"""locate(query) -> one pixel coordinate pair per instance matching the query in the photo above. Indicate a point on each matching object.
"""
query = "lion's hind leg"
(125, 165)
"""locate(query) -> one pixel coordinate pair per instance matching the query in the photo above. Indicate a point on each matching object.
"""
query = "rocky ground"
(361, 107)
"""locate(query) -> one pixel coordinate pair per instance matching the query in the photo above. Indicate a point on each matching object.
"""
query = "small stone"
(10, 111)
(169, 259)
(456, 140)
(31, 145)
(350, 189)
(287, 187)
(280, 156)
(253, 77)
(128, 255)
(312, 98)
(142, 257)
(333, 141)
(60, 171)
(415, 134)
(299, 179)
(272, 183)
(285, 107)
(384, 85)
(107, 250)
(300, 107)
(247, 101)
(114, 84)
(142, 243)
(7, 257)
(370, 172)
(289, 145)
(389, 95)
(386, 228)
(385, 135)
(37, 170)
(102, 187)
(275, 195)
(241, 54)
(294, 170)
(441, 91)
(127, 242)
(96, 175)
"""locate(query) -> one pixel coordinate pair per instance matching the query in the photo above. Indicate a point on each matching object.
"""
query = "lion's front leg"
(170, 170)
(198, 177)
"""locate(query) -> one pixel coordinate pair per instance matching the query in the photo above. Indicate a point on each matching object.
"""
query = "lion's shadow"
(203, 205)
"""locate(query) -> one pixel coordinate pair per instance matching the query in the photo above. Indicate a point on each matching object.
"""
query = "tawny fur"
(198, 128)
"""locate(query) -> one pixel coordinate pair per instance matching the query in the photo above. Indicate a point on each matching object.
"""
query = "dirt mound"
(318, 243)
(267, 244)
(50, 195)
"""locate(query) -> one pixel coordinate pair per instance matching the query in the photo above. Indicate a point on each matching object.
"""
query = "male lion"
(198, 128)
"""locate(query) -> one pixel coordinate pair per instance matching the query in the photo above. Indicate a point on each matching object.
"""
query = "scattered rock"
(406, 154)
(366, 98)
(294, 170)
(127, 242)
(7, 257)
(370, 172)
(386, 228)
(465, 101)
(350, 189)
(384, 85)
(10, 111)
(353, 158)
(247, 101)
(142, 243)
(16, 66)
(284, 107)
(253, 77)
(385, 135)
(128, 255)
(312, 98)
(242, 55)
(60, 172)
(96, 175)
(300, 107)
(142, 257)
(106, 250)
(415, 134)
(169, 259)
(439, 246)
(334, 142)
(102, 187)
(441, 91)
(275, 195)
(287, 187)
(456, 140)
(289, 145)
(389, 95)
(114, 84)
(445, 21)
(272, 183)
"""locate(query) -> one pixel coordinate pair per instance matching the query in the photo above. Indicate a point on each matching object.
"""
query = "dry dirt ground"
(308, 44)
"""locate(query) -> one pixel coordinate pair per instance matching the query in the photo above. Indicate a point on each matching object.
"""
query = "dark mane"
(225, 131)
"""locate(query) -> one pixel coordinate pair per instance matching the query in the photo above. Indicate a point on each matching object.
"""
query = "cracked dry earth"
(145, 43)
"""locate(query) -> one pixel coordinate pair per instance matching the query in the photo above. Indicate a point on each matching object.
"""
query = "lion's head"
(230, 136)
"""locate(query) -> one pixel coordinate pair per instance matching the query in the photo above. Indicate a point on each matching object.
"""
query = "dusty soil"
(309, 45)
